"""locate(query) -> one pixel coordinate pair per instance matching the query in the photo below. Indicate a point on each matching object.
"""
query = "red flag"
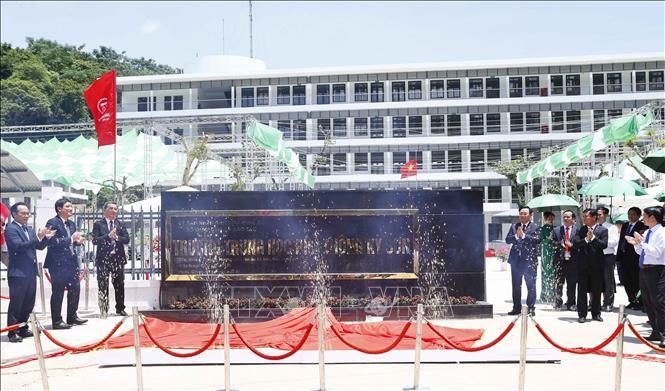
(409, 169)
(100, 97)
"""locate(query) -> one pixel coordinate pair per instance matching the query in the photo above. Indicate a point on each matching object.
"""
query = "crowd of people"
(60, 237)
(583, 258)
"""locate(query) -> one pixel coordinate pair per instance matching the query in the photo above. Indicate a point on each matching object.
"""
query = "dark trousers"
(566, 272)
(590, 280)
(61, 279)
(519, 271)
(631, 279)
(22, 292)
(118, 280)
(609, 285)
(652, 285)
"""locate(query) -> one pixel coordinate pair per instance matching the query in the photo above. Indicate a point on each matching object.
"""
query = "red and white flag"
(409, 169)
(100, 97)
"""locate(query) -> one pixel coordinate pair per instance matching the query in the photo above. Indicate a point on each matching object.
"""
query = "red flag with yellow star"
(409, 169)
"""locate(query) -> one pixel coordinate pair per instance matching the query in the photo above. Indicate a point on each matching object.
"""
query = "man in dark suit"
(565, 263)
(22, 246)
(63, 265)
(628, 259)
(523, 259)
(110, 236)
(588, 244)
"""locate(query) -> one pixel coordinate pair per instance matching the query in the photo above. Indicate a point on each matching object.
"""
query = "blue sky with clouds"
(307, 34)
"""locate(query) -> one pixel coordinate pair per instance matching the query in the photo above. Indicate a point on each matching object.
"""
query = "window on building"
(476, 124)
(339, 93)
(493, 122)
(399, 126)
(173, 102)
(376, 92)
(516, 122)
(262, 96)
(436, 89)
(339, 127)
(376, 127)
(170, 141)
(454, 127)
(360, 162)
(614, 82)
(598, 119)
(360, 92)
(298, 95)
(572, 84)
(494, 229)
(284, 126)
(418, 157)
(438, 124)
(283, 95)
(142, 103)
(455, 161)
(438, 160)
(493, 156)
(476, 88)
(360, 127)
(323, 128)
(616, 113)
(557, 121)
(556, 82)
(492, 84)
(533, 121)
(516, 153)
(399, 160)
(247, 97)
(454, 88)
(415, 125)
(399, 93)
(640, 81)
(168, 103)
(300, 129)
(598, 80)
(339, 162)
(302, 159)
(494, 195)
(322, 165)
(531, 85)
(515, 87)
(376, 163)
(533, 153)
(656, 81)
(322, 94)
(477, 160)
(415, 90)
(573, 121)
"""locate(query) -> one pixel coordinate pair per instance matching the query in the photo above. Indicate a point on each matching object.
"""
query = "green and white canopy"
(81, 164)
(618, 130)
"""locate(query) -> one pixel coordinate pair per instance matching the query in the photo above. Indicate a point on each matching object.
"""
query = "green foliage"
(510, 168)
(44, 83)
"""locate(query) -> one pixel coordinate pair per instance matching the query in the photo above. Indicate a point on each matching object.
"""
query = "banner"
(100, 97)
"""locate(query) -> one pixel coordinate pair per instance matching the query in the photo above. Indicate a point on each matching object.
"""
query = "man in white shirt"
(651, 248)
(609, 285)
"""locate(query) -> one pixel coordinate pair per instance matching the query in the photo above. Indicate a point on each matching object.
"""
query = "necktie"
(69, 235)
(646, 240)
(25, 229)
(567, 238)
(110, 225)
(112, 242)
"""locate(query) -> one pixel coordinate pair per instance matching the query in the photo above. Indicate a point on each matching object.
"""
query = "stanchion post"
(42, 297)
(419, 344)
(39, 350)
(87, 286)
(137, 349)
(321, 342)
(525, 324)
(619, 358)
(227, 349)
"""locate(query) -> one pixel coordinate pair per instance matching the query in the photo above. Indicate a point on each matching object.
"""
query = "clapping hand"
(635, 239)
(78, 237)
(113, 234)
(45, 232)
(589, 235)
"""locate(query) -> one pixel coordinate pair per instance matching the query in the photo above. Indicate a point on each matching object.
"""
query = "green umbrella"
(612, 187)
(620, 218)
(660, 196)
(656, 160)
(550, 201)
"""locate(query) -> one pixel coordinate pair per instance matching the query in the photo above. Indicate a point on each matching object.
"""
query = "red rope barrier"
(281, 356)
(29, 359)
(379, 351)
(13, 327)
(580, 350)
(182, 355)
(4, 297)
(82, 274)
(84, 348)
(474, 348)
(643, 340)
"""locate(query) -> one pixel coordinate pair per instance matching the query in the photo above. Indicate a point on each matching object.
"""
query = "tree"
(23, 103)
(196, 154)
(510, 168)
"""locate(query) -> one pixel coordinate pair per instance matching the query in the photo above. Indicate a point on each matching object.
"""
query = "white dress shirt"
(612, 238)
(654, 251)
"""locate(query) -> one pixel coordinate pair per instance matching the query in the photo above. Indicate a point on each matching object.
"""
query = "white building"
(454, 118)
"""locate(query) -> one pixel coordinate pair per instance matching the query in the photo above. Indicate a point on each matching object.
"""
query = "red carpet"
(286, 332)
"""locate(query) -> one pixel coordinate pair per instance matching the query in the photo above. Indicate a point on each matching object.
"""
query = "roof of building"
(16, 178)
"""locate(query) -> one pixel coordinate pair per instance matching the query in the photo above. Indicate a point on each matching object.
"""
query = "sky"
(322, 34)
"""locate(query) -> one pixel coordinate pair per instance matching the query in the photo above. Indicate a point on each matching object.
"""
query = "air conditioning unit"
(544, 128)
(543, 91)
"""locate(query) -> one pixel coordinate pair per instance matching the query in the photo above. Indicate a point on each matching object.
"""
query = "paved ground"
(574, 372)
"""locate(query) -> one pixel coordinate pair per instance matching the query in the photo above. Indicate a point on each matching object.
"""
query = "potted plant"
(502, 255)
